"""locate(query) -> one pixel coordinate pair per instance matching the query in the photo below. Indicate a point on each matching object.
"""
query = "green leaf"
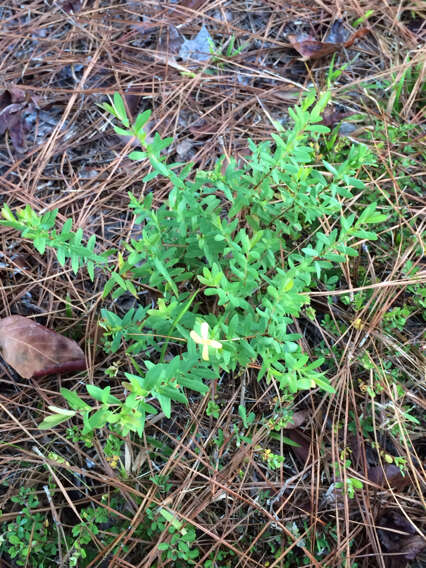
(287, 441)
(74, 262)
(60, 255)
(330, 168)
(376, 218)
(7, 213)
(91, 270)
(109, 286)
(109, 108)
(99, 418)
(324, 384)
(74, 400)
(357, 483)
(62, 411)
(163, 546)
(66, 228)
(102, 395)
(317, 128)
(122, 132)
(174, 394)
(141, 120)
(40, 243)
(170, 518)
(153, 377)
(120, 109)
(166, 404)
(52, 421)
(159, 265)
(138, 156)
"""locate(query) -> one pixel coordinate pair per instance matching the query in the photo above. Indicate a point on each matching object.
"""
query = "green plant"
(80, 542)
(396, 318)
(66, 243)
(240, 437)
(222, 558)
(162, 482)
(74, 434)
(31, 539)
(225, 51)
(213, 409)
(274, 461)
(363, 18)
(350, 485)
(247, 419)
(179, 548)
(231, 256)
(29, 536)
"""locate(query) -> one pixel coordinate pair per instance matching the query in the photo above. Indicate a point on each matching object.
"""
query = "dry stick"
(421, 277)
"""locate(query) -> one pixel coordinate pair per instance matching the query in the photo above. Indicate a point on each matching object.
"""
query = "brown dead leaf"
(412, 546)
(131, 100)
(302, 450)
(17, 132)
(310, 48)
(332, 117)
(384, 475)
(297, 419)
(388, 474)
(7, 114)
(192, 4)
(399, 538)
(34, 351)
(72, 6)
(13, 102)
(170, 41)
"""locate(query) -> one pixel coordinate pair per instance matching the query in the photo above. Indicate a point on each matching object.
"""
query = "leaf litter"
(13, 105)
(311, 49)
(33, 350)
(198, 49)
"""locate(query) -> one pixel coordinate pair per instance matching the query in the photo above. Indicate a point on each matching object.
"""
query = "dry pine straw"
(66, 57)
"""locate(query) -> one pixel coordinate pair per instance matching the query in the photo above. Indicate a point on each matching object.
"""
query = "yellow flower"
(113, 461)
(358, 324)
(204, 340)
(266, 454)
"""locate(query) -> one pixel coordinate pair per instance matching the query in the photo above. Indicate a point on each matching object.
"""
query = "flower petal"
(205, 353)
(215, 344)
(204, 330)
(195, 337)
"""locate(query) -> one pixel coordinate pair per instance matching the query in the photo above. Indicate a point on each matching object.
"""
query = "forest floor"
(214, 486)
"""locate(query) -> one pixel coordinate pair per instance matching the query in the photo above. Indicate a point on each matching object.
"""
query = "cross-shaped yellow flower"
(204, 340)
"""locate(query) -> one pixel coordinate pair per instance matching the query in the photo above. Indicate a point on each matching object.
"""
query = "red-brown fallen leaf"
(399, 539)
(412, 546)
(297, 419)
(332, 117)
(192, 4)
(388, 474)
(132, 102)
(34, 351)
(310, 48)
(384, 475)
(302, 450)
(12, 95)
(13, 102)
(17, 132)
(72, 6)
